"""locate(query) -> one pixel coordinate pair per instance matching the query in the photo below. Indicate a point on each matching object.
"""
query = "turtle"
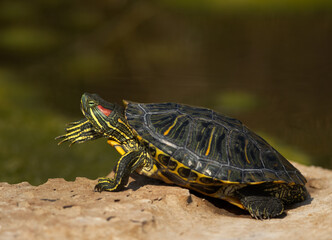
(192, 147)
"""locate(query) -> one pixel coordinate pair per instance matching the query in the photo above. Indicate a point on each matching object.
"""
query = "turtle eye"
(91, 103)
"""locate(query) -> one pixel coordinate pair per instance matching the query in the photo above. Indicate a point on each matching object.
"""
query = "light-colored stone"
(148, 209)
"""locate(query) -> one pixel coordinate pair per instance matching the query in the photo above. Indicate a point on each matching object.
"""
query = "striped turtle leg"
(79, 132)
(267, 200)
(128, 163)
(263, 207)
(260, 204)
(289, 194)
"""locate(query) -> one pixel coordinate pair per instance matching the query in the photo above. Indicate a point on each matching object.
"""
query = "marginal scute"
(174, 178)
(284, 176)
(164, 159)
(211, 170)
(231, 174)
(206, 180)
(172, 164)
(269, 176)
(252, 177)
(188, 159)
(192, 176)
(184, 172)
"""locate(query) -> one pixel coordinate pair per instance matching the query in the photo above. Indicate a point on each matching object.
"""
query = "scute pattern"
(217, 146)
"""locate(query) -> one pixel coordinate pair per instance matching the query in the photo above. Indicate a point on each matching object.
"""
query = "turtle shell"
(209, 143)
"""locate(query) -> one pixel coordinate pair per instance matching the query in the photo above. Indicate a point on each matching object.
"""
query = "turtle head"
(104, 116)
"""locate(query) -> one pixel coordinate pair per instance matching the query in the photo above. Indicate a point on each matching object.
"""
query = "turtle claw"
(64, 139)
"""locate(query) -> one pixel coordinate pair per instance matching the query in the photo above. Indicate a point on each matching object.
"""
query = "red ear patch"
(105, 111)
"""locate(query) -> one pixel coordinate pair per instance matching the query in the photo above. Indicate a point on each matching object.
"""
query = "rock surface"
(148, 209)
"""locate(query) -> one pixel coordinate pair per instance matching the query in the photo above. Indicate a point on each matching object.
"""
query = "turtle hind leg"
(268, 200)
(262, 207)
(289, 194)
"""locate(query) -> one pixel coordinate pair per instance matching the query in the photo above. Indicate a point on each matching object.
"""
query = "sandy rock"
(148, 209)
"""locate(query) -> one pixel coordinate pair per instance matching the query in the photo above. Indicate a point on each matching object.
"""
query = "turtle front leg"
(262, 207)
(79, 132)
(126, 165)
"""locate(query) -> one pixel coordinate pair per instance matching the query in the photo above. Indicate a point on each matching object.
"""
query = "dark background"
(266, 63)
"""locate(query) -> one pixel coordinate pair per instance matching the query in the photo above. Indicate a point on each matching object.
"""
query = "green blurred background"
(267, 63)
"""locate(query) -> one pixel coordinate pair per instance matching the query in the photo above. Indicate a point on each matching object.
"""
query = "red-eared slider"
(192, 147)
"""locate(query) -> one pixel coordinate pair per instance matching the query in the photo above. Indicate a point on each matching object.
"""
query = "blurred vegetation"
(251, 6)
(28, 151)
(264, 62)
